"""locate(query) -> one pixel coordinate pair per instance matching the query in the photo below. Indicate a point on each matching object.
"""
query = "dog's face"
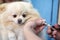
(19, 13)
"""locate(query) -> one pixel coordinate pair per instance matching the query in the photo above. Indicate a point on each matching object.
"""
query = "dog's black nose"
(19, 21)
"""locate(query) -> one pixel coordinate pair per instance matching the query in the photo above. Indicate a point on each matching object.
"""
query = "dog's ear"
(2, 7)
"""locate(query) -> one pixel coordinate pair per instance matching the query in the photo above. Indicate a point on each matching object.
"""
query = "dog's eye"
(15, 16)
(24, 15)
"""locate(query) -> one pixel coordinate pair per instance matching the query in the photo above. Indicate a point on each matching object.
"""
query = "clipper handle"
(53, 27)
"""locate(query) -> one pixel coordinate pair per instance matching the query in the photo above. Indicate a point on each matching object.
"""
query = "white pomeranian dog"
(13, 17)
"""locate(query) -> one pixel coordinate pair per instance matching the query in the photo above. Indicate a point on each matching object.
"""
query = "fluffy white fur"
(10, 13)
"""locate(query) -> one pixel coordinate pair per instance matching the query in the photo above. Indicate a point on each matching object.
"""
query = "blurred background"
(48, 9)
(59, 14)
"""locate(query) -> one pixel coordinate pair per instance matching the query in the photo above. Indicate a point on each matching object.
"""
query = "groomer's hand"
(54, 33)
(32, 28)
(35, 25)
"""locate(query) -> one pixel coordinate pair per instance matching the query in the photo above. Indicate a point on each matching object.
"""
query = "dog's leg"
(11, 35)
(20, 35)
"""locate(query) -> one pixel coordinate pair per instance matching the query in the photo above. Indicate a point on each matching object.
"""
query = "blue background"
(48, 10)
